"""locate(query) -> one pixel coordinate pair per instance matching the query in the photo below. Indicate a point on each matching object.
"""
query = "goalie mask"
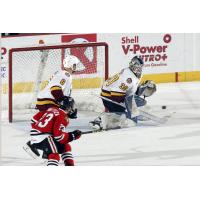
(73, 63)
(136, 65)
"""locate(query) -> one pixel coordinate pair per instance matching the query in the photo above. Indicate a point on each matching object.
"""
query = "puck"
(164, 107)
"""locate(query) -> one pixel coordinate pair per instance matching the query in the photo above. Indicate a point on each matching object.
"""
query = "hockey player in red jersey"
(49, 135)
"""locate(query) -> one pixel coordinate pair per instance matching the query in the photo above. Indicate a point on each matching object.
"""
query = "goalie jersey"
(59, 85)
(120, 85)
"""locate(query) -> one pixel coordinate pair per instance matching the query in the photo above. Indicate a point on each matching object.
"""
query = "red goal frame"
(64, 46)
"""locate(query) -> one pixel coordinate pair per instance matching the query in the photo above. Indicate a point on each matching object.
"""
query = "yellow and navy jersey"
(120, 85)
(59, 85)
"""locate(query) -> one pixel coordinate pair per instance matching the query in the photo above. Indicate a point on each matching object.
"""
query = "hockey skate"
(31, 150)
(96, 124)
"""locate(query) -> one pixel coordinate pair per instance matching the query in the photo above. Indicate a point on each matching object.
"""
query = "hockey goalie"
(122, 95)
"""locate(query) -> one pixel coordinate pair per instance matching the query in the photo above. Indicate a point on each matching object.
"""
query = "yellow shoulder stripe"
(56, 88)
(105, 94)
(117, 94)
(112, 94)
(45, 102)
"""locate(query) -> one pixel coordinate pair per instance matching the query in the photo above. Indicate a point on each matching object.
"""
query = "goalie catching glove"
(146, 89)
(73, 114)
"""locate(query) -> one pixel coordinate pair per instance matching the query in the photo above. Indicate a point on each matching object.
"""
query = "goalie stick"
(160, 120)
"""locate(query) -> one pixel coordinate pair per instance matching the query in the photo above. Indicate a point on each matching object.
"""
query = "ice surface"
(176, 142)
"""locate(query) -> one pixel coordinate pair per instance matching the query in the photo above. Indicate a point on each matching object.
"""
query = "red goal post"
(23, 63)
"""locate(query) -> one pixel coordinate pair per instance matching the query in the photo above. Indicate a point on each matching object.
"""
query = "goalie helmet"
(136, 65)
(73, 63)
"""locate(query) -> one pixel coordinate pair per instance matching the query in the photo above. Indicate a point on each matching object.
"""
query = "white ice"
(176, 142)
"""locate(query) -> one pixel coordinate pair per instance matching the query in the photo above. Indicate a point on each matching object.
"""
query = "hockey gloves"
(146, 89)
(73, 114)
(68, 105)
(74, 135)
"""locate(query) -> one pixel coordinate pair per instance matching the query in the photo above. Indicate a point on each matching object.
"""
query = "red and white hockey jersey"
(52, 122)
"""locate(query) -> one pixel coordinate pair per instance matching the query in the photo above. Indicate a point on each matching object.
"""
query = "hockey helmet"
(73, 63)
(136, 66)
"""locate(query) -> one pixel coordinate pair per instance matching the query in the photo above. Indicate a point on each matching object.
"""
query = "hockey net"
(30, 69)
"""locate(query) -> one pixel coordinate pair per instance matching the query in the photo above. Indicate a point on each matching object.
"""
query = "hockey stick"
(101, 130)
(148, 115)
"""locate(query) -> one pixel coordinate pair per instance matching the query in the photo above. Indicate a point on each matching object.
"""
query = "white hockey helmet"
(73, 62)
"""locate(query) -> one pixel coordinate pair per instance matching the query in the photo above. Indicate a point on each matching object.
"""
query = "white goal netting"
(31, 70)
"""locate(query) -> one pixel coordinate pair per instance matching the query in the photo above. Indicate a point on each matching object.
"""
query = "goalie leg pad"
(131, 108)
(114, 120)
(140, 101)
(126, 122)
(110, 120)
